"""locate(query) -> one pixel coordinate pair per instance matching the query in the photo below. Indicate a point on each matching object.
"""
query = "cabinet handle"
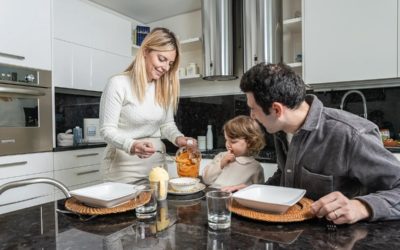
(88, 172)
(12, 56)
(84, 155)
(13, 164)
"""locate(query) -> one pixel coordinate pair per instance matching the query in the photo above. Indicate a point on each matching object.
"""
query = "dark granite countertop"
(80, 146)
(40, 227)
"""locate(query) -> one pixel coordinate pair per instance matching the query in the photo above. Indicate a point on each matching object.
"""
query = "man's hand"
(338, 208)
(228, 158)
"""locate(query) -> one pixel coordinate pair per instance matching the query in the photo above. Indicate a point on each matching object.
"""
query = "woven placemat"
(299, 212)
(76, 206)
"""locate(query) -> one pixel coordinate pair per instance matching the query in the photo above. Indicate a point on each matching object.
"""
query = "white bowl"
(183, 184)
(272, 199)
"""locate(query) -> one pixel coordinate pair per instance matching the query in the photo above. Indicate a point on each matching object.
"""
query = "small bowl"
(183, 184)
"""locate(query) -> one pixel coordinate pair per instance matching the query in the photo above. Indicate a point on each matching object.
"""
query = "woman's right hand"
(143, 149)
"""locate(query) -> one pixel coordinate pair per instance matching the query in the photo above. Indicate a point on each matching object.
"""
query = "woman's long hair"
(167, 87)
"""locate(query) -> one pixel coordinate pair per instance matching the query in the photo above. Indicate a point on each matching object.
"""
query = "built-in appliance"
(25, 110)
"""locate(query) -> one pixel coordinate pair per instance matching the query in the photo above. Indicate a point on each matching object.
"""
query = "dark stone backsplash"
(195, 113)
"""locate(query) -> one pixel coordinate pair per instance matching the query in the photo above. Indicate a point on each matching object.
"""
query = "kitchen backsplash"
(70, 109)
(195, 113)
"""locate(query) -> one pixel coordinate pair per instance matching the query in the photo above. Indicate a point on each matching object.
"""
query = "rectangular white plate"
(272, 199)
(108, 194)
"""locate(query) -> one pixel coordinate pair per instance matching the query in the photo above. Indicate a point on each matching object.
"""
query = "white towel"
(65, 136)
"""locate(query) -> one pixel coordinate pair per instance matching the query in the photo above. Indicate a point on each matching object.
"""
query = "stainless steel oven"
(25, 110)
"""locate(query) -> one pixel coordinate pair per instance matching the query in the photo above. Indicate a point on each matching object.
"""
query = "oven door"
(25, 119)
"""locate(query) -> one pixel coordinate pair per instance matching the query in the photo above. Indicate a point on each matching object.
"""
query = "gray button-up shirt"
(335, 150)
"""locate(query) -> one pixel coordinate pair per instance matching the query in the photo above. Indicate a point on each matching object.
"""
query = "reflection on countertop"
(41, 227)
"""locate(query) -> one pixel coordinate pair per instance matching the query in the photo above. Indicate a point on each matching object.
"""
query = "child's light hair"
(243, 127)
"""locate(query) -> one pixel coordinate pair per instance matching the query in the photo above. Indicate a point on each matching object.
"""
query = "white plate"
(199, 187)
(109, 194)
(272, 199)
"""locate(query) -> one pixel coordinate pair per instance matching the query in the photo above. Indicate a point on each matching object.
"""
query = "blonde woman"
(137, 109)
(243, 140)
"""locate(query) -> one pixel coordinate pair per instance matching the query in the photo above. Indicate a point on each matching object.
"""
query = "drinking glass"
(218, 209)
(149, 209)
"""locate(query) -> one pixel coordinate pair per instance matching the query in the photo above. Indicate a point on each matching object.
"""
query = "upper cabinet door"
(349, 40)
(25, 28)
(85, 24)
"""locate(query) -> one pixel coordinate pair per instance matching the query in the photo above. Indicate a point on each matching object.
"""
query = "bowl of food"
(183, 184)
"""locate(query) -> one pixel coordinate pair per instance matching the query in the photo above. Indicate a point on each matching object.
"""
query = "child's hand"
(228, 158)
(233, 188)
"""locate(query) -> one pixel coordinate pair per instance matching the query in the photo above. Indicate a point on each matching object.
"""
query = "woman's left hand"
(182, 141)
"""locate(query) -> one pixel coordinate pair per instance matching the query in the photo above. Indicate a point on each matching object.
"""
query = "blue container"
(77, 131)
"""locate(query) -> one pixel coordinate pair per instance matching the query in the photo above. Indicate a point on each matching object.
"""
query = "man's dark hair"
(274, 83)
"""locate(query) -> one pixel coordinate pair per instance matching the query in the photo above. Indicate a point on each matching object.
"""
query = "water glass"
(161, 189)
(149, 209)
(218, 209)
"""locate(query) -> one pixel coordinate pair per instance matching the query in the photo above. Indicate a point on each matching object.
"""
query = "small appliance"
(91, 130)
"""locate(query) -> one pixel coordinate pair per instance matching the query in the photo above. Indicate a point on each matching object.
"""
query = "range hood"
(259, 25)
(217, 39)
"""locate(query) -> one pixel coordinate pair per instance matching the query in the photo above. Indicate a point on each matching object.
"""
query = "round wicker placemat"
(299, 212)
(76, 206)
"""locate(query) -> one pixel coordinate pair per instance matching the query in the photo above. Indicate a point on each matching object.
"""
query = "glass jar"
(188, 162)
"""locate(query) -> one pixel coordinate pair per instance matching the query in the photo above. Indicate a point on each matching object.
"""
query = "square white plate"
(108, 194)
(272, 199)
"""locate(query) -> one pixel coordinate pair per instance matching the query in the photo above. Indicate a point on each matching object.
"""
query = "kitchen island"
(181, 223)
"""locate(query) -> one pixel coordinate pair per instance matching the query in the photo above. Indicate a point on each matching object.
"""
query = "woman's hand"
(182, 141)
(143, 149)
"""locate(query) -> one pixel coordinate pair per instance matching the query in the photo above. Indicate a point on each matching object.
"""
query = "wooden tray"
(76, 206)
(299, 212)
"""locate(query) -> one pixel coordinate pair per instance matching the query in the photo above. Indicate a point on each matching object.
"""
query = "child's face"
(237, 146)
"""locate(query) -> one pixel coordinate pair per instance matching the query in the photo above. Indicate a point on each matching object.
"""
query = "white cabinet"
(292, 34)
(78, 168)
(81, 67)
(104, 66)
(25, 28)
(85, 24)
(350, 40)
(18, 167)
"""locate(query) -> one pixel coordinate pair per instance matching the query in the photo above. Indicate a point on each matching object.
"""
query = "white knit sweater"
(123, 119)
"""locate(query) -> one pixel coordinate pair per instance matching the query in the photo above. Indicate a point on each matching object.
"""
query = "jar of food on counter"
(188, 161)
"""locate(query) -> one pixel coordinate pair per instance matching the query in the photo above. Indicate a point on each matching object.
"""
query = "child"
(244, 139)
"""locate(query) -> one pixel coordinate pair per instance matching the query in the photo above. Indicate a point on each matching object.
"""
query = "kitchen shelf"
(292, 25)
(191, 77)
(295, 65)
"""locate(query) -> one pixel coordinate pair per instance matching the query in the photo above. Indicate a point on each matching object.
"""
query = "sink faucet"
(364, 101)
(25, 182)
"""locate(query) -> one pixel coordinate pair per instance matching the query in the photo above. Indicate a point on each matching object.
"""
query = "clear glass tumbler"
(218, 209)
(149, 209)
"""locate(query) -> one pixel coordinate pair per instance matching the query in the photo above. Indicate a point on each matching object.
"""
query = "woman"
(137, 109)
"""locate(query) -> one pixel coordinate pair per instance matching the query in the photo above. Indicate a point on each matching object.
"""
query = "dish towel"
(65, 139)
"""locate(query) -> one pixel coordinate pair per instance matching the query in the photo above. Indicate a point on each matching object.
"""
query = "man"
(336, 156)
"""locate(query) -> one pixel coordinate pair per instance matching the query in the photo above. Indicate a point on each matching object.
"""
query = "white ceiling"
(147, 11)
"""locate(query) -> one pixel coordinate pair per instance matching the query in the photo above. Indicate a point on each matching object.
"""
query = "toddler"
(244, 139)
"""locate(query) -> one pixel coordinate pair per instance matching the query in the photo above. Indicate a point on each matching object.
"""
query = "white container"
(210, 144)
(192, 69)
(201, 142)
(182, 72)
(91, 130)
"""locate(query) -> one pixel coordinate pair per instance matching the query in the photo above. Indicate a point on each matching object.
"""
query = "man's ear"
(277, 108)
